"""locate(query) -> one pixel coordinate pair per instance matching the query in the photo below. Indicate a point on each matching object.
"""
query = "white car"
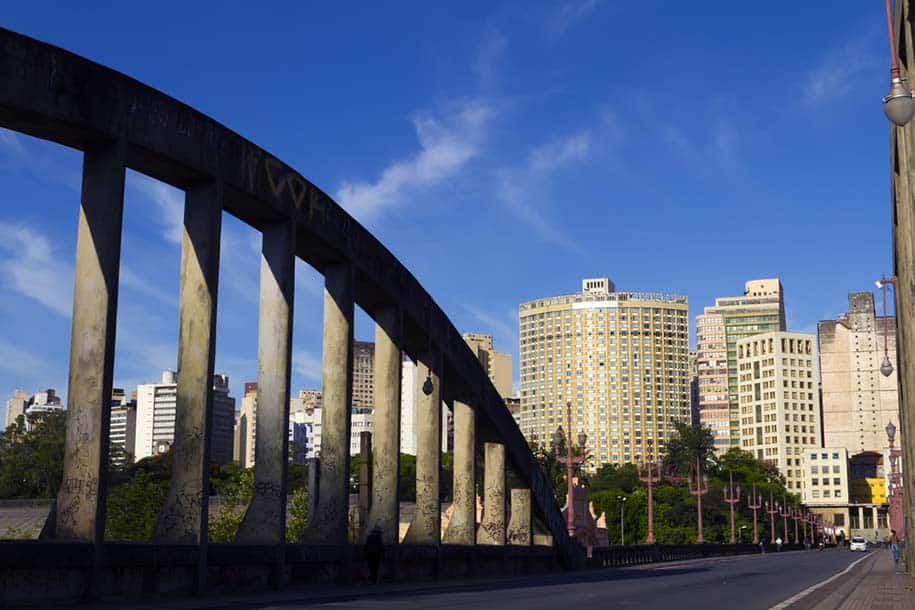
(858, 544)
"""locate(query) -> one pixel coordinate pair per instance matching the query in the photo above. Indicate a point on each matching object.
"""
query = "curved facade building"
(619, 358)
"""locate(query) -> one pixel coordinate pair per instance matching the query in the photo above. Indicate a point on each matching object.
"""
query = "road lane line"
(797, 597)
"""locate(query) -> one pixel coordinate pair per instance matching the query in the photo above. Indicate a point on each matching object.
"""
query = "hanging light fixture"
(898, 105)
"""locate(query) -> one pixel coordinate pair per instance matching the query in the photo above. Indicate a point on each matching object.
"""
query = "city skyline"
(483, 121)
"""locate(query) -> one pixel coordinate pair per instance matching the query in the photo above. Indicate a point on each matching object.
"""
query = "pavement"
(816, 580)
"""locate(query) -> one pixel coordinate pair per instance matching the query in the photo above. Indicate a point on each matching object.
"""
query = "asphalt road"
(747, 582)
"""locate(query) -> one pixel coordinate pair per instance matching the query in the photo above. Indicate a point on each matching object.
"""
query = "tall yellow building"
(619, 358)
(498, 365)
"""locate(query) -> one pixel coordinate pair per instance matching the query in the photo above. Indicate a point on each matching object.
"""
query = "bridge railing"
(117, 122)
(622, 556)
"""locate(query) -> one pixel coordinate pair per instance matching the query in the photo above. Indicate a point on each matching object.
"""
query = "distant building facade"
(16, 406)
(778, 400)
(245, 424)
(123, 430)
(858, 401)
(498, 365)
(718, 329)
(619, 358)
(364, 374)
(156, 410)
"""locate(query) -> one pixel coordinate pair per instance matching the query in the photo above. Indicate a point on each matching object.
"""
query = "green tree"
(133, 507)
(32, 460)
(687, 444)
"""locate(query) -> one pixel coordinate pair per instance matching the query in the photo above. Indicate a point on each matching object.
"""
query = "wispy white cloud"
(307, 365)
(21, 363)
(500, 328)
(136, 282)
(28, 154)
(568, 14)
(169, 203)
(489, 56)
(447, 142)
(719, 155)
(31, 268)
(517, 187)
(835, 75)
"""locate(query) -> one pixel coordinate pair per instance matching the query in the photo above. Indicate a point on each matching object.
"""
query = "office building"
(778, 400)
(156, 410)
(498, 365)
(619, 359)
(858, 401)
(718, 329)
(364, 374)
(245, 423)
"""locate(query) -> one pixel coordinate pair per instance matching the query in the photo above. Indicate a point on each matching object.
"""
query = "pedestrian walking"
(894, 546)
(778, 544)
(762, 547)
(374, 553)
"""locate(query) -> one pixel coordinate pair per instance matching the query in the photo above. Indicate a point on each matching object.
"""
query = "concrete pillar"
(519, 524)
(463, 527)
(81, 500)
(876, 522)
(330, 523)
(265, 519)
(365, 480)
(385, 508)
(861, 519)
(183, 518)
(427, 523)
(492, 528)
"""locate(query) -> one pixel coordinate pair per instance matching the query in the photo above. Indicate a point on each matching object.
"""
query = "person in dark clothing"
(374, 553)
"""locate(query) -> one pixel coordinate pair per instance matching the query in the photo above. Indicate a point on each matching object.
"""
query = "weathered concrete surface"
(519, 523)
(426, 526)
(365, 482)
(49, 93)
(183, 518)
(81, 499)
(463, 528)
(386, 450)
(492, 526)
(264, 521)
(329, 524)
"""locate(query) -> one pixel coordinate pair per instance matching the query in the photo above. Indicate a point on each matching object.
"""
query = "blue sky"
(502, 150)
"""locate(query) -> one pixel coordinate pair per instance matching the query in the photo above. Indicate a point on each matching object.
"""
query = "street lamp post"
(886, 367)
(650, 480)
(700, 490)
(896, 516)
(804, 518)
(731, 499)
(622, 503)
(755, 507)
(570, 461)
(795, 514)
(771, 508)
(785, 512)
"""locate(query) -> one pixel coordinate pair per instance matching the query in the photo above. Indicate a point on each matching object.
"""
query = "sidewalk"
(873, 585)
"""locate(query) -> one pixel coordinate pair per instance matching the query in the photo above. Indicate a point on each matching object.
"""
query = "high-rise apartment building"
(718, 329)
(619, 359)
(16, 406)
(498, 365)
(778, 402)
(858, 401)
(123, 430)
(363, 374)
(245, 423)
(156, 409)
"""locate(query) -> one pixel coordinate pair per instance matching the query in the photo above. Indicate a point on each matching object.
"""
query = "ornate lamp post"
(731, 499)
(755, 507)
(700, 490)
(772, 509)
(622, 503)
(650, 480)
(570, 461)
(795, 514)
(896, 516)
(804, 518)
(785, 512)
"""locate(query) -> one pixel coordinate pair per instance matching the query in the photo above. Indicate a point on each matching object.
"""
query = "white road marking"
(809, 590)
